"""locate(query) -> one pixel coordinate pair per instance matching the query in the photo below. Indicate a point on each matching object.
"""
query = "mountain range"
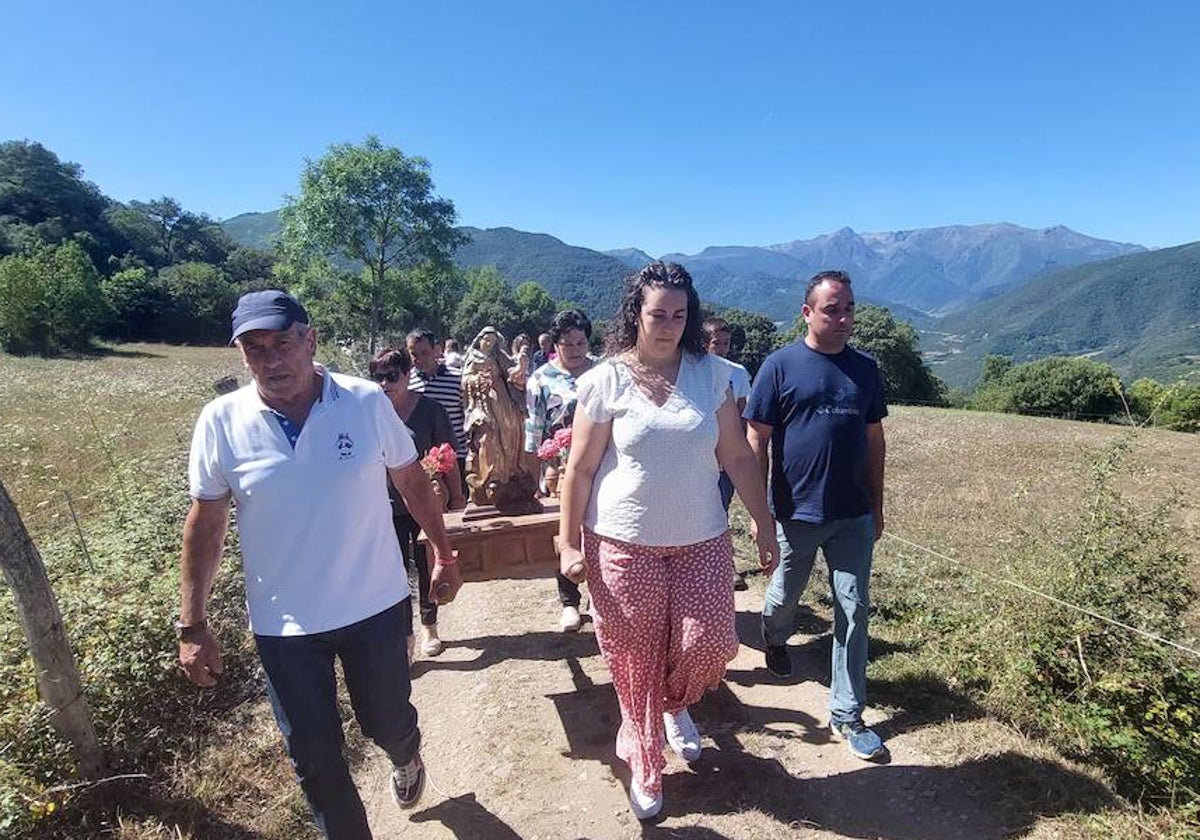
(932, 270)
(969, 289)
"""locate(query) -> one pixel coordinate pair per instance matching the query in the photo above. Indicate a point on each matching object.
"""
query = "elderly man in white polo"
(305, 455)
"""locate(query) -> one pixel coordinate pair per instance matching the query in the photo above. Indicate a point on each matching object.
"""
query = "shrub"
(117, 608)
(1057, 386)
(50, 300)
(1175, 407)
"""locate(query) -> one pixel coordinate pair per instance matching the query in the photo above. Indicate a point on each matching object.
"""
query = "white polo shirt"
(314, 521)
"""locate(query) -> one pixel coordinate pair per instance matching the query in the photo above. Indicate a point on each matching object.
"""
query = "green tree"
(44, 200)
(994, 368)
(536, 309)
(137, 302)
(1057, 386)
(162, 215)
(893, 343)
(1175, 407)
(370, 204)
(488, 301)
(437, 291)
(201, 298)
(250, 268)
(50, 300)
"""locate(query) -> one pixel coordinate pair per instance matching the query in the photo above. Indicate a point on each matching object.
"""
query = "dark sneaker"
(862, 741)
(739, 582)
(408, 782)
(779, 661)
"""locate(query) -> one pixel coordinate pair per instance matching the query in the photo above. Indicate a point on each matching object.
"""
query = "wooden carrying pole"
(58, 680)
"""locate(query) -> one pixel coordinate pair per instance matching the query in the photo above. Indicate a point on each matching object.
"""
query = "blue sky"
(666, 126)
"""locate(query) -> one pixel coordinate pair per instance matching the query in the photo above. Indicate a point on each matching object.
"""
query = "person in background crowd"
(520, 352)
(642, 518)
(717, 340)
(437, 381)
(452, 357)
(429, 426)
(305, 455)
(816, 424)
(550, 397)
(544, 352)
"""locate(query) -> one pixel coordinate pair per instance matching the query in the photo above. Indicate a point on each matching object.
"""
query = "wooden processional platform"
(500, 546)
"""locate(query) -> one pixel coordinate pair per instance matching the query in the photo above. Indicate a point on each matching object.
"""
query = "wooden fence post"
(58, 680)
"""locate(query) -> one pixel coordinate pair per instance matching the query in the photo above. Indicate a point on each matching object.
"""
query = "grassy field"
(97, 436)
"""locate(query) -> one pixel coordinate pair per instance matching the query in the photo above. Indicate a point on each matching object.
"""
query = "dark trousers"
(725, 485)
(303, 692)
(415, 556)
(568, 591)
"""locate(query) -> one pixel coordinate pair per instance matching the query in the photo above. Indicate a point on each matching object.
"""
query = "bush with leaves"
(1056, 386)
(50, 300)
(117, 603)
(1175, 407)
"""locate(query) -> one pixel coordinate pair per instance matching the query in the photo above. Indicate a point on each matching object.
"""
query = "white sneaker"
(643, 805)
(682, 734)
(431, 645)
(570, 620)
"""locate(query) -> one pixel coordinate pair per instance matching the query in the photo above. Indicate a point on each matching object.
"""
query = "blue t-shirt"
(819, 406)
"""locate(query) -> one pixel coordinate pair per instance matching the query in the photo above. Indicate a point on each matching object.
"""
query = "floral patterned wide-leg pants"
(665, 623)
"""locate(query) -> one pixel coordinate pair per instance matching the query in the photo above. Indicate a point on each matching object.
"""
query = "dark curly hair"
(567, 320)
(622, 335)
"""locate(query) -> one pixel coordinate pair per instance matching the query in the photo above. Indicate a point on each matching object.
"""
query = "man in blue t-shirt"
(814, 416)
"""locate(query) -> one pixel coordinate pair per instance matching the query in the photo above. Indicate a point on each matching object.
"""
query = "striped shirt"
(444, 388)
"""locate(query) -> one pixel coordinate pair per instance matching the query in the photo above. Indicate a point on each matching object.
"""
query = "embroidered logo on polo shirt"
(345, 447)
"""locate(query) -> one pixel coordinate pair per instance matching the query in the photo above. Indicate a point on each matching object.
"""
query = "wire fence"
(976, 570)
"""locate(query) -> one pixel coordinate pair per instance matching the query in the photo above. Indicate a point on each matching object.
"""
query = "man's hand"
(444, 582)
(570, 563)
(200, 657)
(768, 547)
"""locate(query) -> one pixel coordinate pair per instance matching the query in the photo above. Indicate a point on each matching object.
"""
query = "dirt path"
(519, 721)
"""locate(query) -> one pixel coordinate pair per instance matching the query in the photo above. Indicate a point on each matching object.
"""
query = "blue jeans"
(303, 692)
(847, 545)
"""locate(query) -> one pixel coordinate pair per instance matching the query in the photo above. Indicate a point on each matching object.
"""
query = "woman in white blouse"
(642, 518)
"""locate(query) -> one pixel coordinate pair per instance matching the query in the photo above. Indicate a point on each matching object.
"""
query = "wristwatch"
(182, 629)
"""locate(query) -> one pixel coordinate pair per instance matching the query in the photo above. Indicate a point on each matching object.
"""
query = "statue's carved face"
(487, 342)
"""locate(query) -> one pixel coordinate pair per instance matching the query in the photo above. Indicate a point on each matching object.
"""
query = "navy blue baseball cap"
(267, 310)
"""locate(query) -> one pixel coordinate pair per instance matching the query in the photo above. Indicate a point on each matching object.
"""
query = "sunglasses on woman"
(386, 376)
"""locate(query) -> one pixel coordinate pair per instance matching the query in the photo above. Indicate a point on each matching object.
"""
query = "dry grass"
(973, 485)
(67, 423)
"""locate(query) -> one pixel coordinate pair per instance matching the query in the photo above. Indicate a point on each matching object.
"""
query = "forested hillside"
(1140, 313)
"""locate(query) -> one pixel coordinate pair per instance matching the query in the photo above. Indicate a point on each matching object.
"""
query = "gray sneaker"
(408, 782)
(861, 740)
